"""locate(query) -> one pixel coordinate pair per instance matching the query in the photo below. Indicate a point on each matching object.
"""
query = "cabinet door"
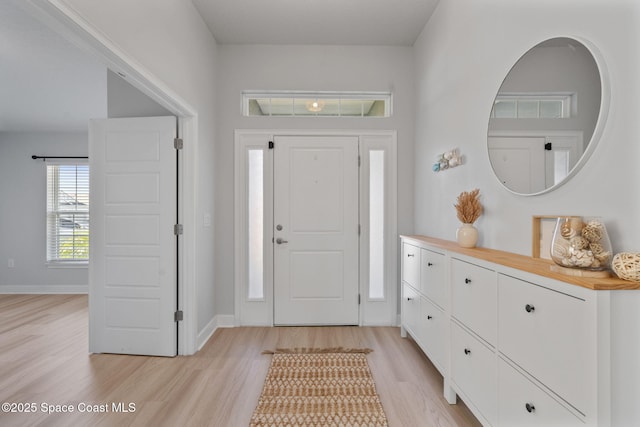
(544, 332)
(433, 276)
(433, 332)
(411, 311)
(474, 371)
(474, 301)
(411, 265)
(521, 403)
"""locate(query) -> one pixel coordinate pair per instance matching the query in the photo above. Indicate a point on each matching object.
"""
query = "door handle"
(280, 241)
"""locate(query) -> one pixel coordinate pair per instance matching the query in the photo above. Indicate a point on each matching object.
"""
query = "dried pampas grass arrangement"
(468, 207)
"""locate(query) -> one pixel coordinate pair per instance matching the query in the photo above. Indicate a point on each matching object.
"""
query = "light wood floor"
(44, 360)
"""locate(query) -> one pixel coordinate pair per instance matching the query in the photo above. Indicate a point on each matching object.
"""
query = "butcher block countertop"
(539, 266)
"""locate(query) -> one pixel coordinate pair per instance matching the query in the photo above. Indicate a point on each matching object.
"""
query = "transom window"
(68, 213)
(316, 104)
(532, 106)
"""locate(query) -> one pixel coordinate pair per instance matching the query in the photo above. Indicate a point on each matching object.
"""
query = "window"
(68, 213)
(376, 224)
(316, 104)
(256, 224)
(532, 106)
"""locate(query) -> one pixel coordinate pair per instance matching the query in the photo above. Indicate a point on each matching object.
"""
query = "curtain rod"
(58, 157)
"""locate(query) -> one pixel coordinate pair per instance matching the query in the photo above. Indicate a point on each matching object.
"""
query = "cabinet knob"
(411, 255)
(429, 317)
(530, 408)
(467, 351)
(529, 308)
(467, 280)
(429, 264)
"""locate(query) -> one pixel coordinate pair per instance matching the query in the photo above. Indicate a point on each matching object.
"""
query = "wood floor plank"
(44, 360)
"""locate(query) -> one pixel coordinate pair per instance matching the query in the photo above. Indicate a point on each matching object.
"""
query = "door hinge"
(177, 229)
(178, 316)
(178, 143)
(359, 161)
(271, 145)
(358, 299)
(359, 230)
(548, 146)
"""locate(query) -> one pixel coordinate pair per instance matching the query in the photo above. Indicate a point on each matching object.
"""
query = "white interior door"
(519, 162)
(315, 230)
(133, 258)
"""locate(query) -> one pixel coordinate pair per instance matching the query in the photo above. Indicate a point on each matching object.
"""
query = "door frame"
(69, 24)
(259, 312)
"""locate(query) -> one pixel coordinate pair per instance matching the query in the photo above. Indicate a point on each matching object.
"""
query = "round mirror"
(546, 117)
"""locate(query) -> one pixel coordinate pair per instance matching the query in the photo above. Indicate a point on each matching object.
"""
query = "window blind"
(68, 213)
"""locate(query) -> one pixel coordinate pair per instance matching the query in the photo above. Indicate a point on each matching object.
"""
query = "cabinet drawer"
(411, 265)
(522, 403)
(474, 290)
(411, 310)
(545, 332)
(433, 276)
(474, 371)
(433, 332)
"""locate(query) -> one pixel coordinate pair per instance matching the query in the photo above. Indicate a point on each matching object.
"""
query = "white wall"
(125, 100)
(462, 56)
(168, 40)
(23, 189)
(309, 68)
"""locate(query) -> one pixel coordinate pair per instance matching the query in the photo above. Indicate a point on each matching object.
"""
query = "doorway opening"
(71, 27)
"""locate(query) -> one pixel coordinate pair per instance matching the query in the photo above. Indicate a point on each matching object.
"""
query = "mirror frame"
(605, 98)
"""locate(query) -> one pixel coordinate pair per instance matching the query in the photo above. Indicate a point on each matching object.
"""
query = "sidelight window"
(376, 224)
(255, 242)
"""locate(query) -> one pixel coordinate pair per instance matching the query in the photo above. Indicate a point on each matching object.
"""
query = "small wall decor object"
(468, 210)
(627, 266)
(581, 247)
(447, 160)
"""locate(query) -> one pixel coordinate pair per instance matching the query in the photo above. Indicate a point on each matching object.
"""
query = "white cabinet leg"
(449, 394)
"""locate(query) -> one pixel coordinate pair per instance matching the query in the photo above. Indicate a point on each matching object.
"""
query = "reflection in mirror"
(544, 116)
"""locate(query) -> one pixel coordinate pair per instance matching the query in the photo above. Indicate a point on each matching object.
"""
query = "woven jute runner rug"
(319, 387)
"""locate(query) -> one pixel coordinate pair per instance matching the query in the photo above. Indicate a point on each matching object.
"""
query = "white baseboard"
(44, 289)
(226, 321)
(220, 321)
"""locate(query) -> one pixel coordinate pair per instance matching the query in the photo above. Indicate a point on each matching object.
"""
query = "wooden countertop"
(539, 266)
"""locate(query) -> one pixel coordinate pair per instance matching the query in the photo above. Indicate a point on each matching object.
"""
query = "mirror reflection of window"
(552, 94)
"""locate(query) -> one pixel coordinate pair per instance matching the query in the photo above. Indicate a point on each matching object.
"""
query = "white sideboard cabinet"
(520, 344)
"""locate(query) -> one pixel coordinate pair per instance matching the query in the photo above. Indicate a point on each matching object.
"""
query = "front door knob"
(280, 241)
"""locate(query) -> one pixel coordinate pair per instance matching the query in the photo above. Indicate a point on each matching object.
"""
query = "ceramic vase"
(467, 236)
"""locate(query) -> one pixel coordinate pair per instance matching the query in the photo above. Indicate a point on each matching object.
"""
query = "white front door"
(133, 258)
(315, 230)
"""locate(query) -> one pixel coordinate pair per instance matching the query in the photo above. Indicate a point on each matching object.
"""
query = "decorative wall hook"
(447, 160)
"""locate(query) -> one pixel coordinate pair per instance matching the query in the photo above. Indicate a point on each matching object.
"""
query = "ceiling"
(46, 83)
(310, 22)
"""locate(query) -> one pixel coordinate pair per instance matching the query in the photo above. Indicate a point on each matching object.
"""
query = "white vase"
(467, 236)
